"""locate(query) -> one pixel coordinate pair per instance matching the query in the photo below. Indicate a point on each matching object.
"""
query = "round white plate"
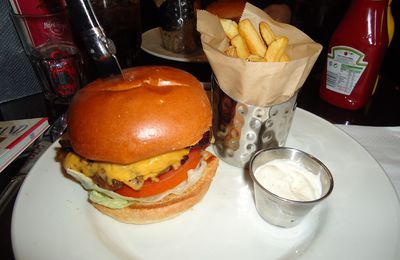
(152, 44)
(360, 220)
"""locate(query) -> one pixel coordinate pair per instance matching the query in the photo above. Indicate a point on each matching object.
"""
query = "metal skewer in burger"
(138, 143)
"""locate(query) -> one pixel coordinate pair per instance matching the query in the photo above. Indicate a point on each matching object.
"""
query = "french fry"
(276, 49)
(240, 45)
(266, 33)
(253, 40)
(284, 58)
(231, 51)
(230, 27)
(248, 44)
(256, 58)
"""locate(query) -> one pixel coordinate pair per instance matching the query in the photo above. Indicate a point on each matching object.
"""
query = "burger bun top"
(149, 111)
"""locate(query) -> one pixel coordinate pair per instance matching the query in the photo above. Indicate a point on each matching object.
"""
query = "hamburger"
(228, 9)
(137, 143)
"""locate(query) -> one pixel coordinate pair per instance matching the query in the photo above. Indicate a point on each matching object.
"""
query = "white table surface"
(383, 143)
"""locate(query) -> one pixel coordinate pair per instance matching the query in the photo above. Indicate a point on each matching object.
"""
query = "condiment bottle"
(178, 26)
(355, 55)
(390, 28)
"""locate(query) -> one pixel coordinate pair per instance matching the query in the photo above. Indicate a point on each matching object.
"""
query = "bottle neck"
(366, 12)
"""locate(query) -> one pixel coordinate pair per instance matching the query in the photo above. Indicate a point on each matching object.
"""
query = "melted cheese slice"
(148, 168)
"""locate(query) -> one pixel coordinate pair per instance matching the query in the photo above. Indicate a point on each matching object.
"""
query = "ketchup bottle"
(355, 55)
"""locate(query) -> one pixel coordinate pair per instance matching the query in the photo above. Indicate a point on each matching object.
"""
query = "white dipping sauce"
(289, 180)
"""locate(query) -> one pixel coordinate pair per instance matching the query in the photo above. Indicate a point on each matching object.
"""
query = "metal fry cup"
(240, 129)
(278, 210)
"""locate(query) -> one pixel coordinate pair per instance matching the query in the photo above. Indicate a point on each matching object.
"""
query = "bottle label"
(44, 21)
(345, 65)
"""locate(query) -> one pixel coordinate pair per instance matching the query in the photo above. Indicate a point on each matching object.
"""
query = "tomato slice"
(165, 181)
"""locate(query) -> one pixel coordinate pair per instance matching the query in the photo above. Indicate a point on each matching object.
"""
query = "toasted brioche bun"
(151, 111)
(170, 206)
(229, 9)
(148, 112)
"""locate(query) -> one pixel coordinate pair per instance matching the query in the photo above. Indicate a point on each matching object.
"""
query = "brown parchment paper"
(258, 83)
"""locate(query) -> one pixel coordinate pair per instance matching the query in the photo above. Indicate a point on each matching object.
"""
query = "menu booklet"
(17, 135)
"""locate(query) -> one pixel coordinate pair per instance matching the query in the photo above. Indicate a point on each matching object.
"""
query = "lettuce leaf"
(113, 203)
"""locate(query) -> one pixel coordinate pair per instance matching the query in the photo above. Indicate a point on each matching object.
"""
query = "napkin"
(383, 143)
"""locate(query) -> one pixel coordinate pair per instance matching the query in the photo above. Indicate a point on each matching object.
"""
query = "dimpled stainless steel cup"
(240, 129)
(281, 211)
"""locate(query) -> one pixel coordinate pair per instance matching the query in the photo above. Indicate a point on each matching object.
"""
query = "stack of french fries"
(247, 43)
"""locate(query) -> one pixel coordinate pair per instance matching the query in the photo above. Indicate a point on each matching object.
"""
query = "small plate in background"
(152, 44)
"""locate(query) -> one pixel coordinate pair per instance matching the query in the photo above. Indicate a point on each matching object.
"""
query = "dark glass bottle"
(121, 21)
(178, 26)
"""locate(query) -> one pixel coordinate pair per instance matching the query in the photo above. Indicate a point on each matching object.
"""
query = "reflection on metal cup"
(240, 129)
(281, 211)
